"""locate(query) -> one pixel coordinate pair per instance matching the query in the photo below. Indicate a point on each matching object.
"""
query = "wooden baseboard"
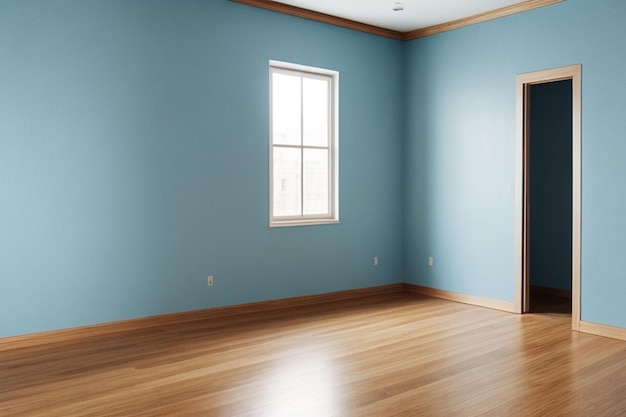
(509, 307)
(64, 335)
(551, 291)
(602, 330)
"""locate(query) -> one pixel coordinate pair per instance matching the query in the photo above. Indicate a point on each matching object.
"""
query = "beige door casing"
(522, 284)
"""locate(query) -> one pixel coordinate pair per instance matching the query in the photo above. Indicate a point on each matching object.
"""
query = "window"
(303, 145)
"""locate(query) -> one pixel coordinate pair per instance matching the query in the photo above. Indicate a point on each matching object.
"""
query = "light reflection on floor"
(302, 385)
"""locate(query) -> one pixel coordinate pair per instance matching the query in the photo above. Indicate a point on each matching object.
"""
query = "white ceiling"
(417, 14)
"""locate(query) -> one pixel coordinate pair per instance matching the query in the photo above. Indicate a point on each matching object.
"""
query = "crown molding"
(322, 17)
(407, 36)
(524, 6)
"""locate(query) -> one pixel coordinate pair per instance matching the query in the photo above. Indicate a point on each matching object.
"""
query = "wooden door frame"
(522, 279)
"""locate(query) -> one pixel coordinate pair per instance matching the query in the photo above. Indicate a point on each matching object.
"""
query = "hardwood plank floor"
(399, 354)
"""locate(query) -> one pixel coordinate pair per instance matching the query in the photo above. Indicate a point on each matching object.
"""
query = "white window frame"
(332, 217)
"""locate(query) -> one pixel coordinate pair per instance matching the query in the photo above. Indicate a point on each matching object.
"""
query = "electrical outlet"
(375, 260)
(430, 261)
(209, 281)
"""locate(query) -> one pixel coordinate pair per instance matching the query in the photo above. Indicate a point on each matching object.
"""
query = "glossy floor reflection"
(398, 354)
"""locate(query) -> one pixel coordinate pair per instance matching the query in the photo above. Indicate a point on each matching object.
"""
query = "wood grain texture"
(603, 330)
(462, 298)
(72, 334)
(394, 354)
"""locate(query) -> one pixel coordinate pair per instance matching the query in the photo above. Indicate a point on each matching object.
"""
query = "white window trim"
(333, 217)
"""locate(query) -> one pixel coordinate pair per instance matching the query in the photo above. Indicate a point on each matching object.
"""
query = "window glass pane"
(302, 140)
(315, 181)
(287, 200)
(286, 109)
(315, 111)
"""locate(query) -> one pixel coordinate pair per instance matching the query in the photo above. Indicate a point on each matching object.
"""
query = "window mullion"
(310, 148)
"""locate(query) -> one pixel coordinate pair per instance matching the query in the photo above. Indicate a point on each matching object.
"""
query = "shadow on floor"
(542, 303)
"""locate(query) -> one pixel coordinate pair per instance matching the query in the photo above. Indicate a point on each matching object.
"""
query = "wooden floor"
(391, 355)
(546, 303)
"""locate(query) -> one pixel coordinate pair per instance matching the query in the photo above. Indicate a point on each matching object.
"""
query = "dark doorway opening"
(549, 197)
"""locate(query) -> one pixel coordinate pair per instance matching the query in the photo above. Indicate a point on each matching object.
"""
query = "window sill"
(293, 223)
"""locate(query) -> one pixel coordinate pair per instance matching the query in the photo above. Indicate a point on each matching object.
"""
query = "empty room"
(312, 208)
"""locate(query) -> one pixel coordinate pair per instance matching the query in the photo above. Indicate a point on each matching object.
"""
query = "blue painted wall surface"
(460, 156)
(133, 157)
(550, 149)
(134, 160)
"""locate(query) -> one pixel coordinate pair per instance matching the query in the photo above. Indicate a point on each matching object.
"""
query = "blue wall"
(134, 160)
(133, 157)
(460, 156)
(550, 171)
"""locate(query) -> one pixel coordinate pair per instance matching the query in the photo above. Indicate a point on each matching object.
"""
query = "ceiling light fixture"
(399, 6)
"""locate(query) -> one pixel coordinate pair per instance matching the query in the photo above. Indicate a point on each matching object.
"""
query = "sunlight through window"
(303, 136)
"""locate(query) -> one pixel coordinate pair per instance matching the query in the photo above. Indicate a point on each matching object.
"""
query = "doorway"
(548, 186)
